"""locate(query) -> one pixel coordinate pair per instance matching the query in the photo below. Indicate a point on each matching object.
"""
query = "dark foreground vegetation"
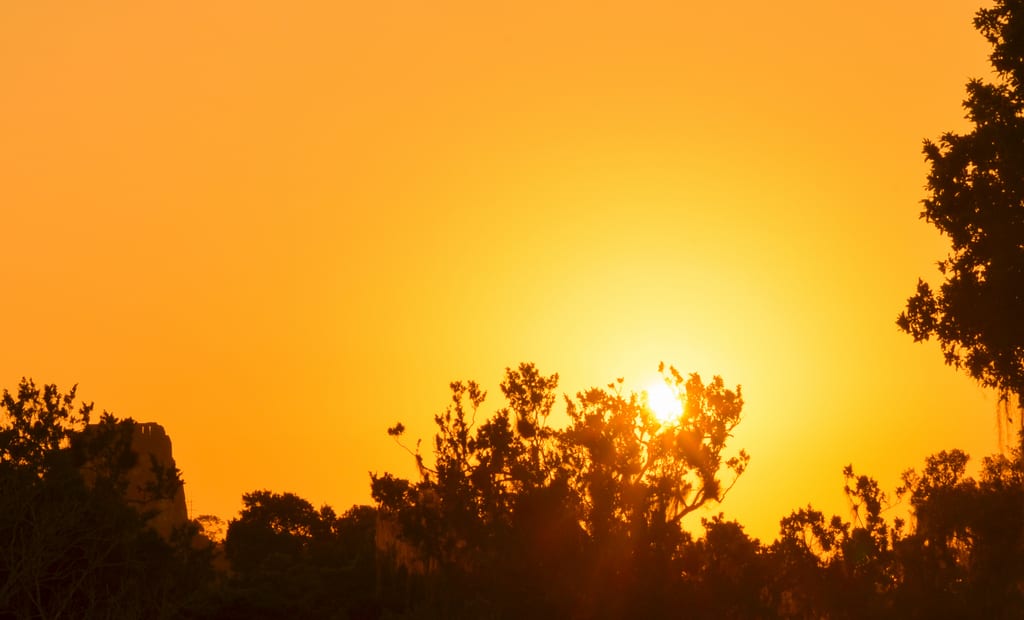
(510, 518)
(514, 517)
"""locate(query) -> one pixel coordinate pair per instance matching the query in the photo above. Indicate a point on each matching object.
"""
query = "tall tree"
(976, 198)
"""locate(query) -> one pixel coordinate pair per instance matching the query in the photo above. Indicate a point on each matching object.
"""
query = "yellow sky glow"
(277, 229)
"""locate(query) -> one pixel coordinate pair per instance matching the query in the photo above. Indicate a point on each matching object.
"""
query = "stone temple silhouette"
(145, 490)
(152, 445)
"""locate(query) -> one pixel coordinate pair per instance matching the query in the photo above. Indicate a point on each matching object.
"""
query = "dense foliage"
(512, 517)
(519, 518)
(290, 560)
(70, 546)
(976, 198)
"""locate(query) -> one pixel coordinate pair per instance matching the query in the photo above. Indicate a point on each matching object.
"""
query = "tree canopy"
(72, 545)
(976, 199)
(513, 516)
(518, 515)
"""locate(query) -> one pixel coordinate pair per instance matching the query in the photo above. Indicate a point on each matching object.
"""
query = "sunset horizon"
(277, 231)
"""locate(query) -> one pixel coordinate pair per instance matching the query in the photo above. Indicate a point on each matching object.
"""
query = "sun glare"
(663, 401)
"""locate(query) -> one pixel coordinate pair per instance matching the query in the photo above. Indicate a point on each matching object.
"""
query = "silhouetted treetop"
(976, 198)
(517, 515)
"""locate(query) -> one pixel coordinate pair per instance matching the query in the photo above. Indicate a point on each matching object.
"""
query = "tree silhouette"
(293, 560)
(517, 518)
(976, 198)
(967, 550)
(961, 554)
(828, 567)
(727, 573)
(514, 516)
(72, 546)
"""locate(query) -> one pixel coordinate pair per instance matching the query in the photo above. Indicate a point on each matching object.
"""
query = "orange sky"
(278, 228)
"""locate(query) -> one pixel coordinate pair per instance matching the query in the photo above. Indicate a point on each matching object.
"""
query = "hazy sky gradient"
(279, 228)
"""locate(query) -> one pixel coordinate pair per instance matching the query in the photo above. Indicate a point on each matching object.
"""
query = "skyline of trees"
(511, 518)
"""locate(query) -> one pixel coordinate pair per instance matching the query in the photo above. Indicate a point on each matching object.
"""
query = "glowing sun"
(663, 401)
